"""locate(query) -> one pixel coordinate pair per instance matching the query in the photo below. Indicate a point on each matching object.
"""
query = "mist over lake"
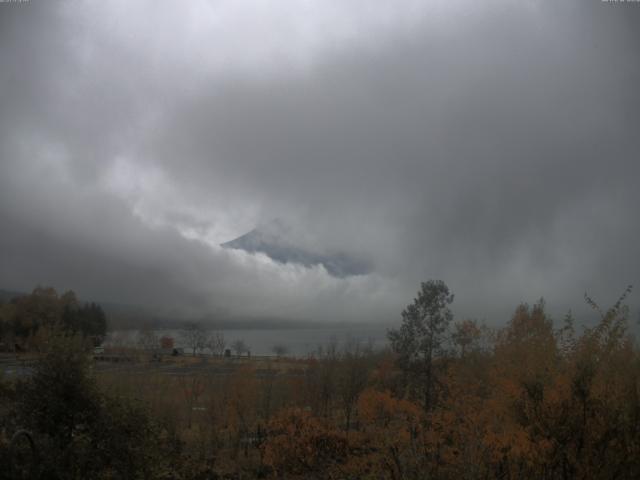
(320, 239)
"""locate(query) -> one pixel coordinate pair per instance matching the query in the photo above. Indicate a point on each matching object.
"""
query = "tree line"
(449, 399)
(26, 319)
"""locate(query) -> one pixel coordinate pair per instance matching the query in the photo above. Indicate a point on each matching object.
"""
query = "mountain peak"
(275, 239)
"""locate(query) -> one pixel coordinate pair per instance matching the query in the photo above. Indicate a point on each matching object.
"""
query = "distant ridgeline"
(23, 316)
(273, 240)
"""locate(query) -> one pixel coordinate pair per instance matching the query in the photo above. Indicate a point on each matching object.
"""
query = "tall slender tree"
(420, 339)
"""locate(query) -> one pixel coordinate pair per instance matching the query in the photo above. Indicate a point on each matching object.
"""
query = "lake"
(298, 342)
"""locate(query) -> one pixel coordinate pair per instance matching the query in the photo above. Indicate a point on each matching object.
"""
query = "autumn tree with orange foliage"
(301, 444)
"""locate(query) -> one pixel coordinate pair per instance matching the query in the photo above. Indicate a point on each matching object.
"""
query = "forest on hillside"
(447, 400)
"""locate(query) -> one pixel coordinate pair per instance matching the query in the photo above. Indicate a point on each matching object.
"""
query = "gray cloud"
(493, 146)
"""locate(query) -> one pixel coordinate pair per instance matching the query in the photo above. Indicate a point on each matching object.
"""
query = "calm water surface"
(299, 342)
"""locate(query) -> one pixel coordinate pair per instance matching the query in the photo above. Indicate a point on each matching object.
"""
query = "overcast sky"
(490, 144)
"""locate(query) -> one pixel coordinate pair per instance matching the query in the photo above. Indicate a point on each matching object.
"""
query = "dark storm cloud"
(492, 146)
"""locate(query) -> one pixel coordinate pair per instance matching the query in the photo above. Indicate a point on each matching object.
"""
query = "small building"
(166, 343)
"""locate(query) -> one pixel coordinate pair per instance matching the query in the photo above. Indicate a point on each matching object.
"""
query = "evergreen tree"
(420, 339)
